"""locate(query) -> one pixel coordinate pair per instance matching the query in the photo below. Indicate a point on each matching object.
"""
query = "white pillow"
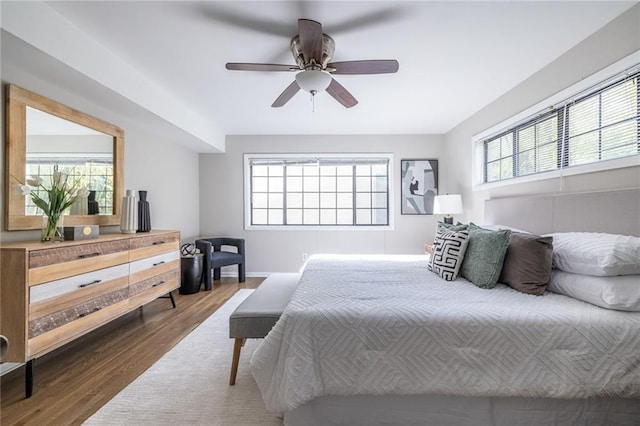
(621, 293)
(448, 252)
(591, 253)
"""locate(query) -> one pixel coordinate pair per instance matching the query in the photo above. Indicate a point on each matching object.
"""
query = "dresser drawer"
(53, 313)
(154, 287)
(75, 260)
(81, 282)
(143, 247)
(51, 256)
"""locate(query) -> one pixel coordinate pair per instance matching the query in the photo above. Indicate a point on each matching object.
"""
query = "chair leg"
(216, 274)
(241, 274)
(236, 360)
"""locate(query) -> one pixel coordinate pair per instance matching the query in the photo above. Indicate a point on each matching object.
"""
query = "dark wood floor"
(73, 382)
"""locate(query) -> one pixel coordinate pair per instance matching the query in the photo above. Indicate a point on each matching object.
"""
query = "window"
(318, 191)
(600, 123)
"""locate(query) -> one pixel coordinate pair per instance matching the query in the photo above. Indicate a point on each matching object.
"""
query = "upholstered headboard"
(616, 212)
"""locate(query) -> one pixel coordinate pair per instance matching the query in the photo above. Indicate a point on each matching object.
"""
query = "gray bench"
(258, 313)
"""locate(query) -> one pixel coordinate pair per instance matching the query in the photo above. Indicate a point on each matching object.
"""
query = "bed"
(383, 340)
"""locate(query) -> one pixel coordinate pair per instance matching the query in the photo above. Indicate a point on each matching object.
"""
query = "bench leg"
(236, 359)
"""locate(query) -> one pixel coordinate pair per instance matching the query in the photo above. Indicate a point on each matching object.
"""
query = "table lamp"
(447, 205)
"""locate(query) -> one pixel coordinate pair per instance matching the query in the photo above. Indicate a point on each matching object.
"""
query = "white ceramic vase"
(129, 213)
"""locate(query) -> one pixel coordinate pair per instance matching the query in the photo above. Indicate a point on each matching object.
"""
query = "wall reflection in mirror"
(86, 155)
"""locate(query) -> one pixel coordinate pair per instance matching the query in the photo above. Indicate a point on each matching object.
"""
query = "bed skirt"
(462, 410)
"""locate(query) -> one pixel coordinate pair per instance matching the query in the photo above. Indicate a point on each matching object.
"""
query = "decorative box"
(81, 232)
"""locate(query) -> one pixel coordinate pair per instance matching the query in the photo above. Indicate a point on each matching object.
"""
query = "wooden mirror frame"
(18, 100)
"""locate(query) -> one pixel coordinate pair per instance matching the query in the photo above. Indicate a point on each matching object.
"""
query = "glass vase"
(52, 228)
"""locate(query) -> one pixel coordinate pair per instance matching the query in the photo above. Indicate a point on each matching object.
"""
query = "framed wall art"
(419, 180)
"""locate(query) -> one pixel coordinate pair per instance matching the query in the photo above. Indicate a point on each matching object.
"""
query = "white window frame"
(247, 193)
(542, 107)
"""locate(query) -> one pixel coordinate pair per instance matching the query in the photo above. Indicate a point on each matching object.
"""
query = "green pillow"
(451, 227)
(484, 257)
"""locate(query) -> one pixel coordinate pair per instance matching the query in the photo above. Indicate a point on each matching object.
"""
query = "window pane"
(259, 170)
(294, 183)
(310, 170)
(493, 150)
(294, 200)
(379, 169)
(328, 200)
(506, 145)
(620, 151)
(259, 184)
(259, 217)
(344, 200)
(275, 184)
(583, 149)
(363, 199)
(380, 183)
(276, 200)
(363, 170)
(620, 134)
(379, 216)
(526, 139)
(294, 170)
(363, 217)
(327, 170)
(584, 116)
(344, 170)
(276, 170)
(311, 200)
(275, 216)
(294, 216)
(363, 184)
(620, 103)
(493, 171)
(506, 168)
(547, 131)
(327, 217)
(345, 184)
(379, 200)
(526, 162)
(260, 201)
(311, 217)
(344, 217)
(328, 183)
(311, 183)
(548, 157)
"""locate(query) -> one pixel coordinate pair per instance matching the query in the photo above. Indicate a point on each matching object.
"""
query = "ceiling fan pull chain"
(313, 101)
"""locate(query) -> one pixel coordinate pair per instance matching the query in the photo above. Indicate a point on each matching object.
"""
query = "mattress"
(385, 325)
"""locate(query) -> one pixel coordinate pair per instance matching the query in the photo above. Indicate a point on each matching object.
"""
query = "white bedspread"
(386, 325)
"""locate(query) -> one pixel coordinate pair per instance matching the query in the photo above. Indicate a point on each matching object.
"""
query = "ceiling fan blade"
(287, 94)
(310, 33)
(341, 94)
(260, 67)
(382, 66)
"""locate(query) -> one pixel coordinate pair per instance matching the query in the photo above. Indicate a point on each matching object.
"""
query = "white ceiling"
(455, 57)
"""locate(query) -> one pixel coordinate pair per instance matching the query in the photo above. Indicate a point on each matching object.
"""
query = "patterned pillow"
(448, 252)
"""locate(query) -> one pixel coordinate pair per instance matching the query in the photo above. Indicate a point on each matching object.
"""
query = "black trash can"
(190, 274)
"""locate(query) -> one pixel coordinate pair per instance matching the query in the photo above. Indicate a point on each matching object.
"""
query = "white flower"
(60, 179)
(83, 192)
(34, 181)
(23, 189)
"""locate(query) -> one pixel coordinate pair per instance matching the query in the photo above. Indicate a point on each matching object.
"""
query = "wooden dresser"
(53, 293)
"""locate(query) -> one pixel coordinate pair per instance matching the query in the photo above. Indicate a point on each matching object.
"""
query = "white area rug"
(189, 385)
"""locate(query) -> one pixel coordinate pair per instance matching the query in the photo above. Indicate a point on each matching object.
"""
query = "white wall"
(222, 200)
(154, 161)
(615, 41)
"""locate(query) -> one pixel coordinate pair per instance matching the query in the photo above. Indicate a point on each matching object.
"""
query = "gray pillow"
(528, 262)
(451, 227)
(483, 260)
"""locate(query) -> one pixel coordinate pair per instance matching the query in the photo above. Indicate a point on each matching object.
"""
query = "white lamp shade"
(447, 204)
(313, 80)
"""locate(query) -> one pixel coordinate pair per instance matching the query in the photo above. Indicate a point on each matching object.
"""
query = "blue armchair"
(215, 257)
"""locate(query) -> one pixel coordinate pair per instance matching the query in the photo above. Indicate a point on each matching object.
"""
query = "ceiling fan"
(312, 50)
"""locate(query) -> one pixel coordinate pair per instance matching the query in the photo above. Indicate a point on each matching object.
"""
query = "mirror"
(43, 136)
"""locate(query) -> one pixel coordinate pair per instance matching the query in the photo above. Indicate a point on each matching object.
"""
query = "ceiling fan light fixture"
(313, 81)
